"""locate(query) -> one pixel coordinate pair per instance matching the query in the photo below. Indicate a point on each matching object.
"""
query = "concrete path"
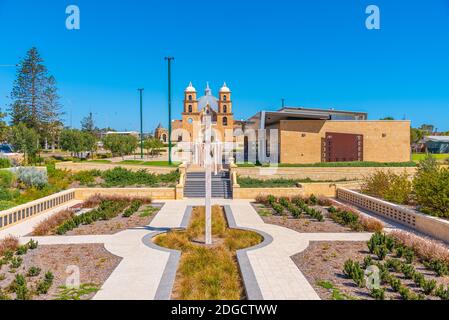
(140, 272)
(26, 227)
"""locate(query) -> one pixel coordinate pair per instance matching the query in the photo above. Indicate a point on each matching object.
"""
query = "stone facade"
(301, 141)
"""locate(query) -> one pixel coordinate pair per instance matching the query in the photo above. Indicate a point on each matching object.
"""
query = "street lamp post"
(141, 124)
(169, 60)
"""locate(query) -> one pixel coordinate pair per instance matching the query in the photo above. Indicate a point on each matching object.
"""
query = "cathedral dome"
(190, 88)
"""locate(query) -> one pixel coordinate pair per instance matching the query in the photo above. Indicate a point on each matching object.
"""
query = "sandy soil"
(304, 224)
(325, 260)
(116, 224)
(95, 265)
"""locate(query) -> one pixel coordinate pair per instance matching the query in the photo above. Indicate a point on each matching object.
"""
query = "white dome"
(190, 88)
(225, 88)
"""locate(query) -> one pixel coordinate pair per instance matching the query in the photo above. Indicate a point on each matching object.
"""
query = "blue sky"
(312, 53)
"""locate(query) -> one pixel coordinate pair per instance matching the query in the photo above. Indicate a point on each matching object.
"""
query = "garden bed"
(312, 214)
(323, 264)
(44, 271)
(208, 272)
(103, 215)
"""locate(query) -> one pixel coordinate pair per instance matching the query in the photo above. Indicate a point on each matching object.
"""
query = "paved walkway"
(140, 272)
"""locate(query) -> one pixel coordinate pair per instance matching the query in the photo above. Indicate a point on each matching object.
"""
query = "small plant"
(19, 286)
(135, 205)
(438, 266)
(15, 262)
(409, 255)
(33, 271)
(381, 251)
(355, 272)
(21, 250)
(313, 200)
(428, 286)
(367, 261)
(418, 278)
(32, 177)
(378, 294)
(4, 295)
(442, 293)
(395, 284)
(278, 208)
(408, 270)
(69, 293)
(32, 244)
(394, 264)
(44, 285)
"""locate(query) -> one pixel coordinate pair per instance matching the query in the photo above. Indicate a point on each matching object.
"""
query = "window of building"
(190, 97)
(225, 98)
(225, 109)
(190, 108)
(225, 121)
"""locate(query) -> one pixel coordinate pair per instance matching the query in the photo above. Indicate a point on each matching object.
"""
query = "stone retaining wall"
(316, 173)
(82, 166)
(325, 189)
(433, 226)
(153, 193)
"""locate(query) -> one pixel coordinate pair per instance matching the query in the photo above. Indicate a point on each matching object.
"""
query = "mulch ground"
(116, 224)
(325, 260)
(304, 224)
(95, 265)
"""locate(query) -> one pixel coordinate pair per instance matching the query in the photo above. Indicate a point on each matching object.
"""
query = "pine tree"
(51, 124)
(88, 124)
(35, 99)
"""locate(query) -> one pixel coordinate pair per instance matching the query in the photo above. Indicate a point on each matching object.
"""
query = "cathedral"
(189, 129)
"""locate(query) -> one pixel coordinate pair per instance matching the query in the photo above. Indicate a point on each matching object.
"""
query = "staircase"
(195, 185)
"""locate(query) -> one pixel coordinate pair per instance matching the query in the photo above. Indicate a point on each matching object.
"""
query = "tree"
(77, 142)
(35, 99)
(25, 140)
(153, 145)
(427, 128)
(51, 124)
(120, 144)
(416, 135)
(387, 118)
(88, 124)
(3, 127)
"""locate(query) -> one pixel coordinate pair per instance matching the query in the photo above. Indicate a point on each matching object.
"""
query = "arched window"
(190, 108)
(190, 97)
(225, 121)
(225, 109)
(224, 97)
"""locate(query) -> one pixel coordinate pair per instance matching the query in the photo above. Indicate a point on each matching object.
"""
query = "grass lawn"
(334, 164)
(151, 163)
(422, 156)
(208, 272)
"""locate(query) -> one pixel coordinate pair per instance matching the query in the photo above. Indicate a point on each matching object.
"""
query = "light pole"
(169, 60)
(208, 180)
(141, 124)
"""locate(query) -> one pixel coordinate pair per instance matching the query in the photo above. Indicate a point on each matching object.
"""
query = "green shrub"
(389, 186)
(44, 285)
(378, 239)
(367, 261)
(418, 278)
(428, 286)
(313, 200)
(409, 255)
(33, 271)
(32, 177)
(347, 218)
(86, 177)
(278, 208)
(381, 251)
(355, 272)
(408, 270)
(438, 266)
(15, 262)
(431, 188)
(21, 250)
(32, 244)
(6, 179)
(378, 293)
(135, 205)
(394, 264)
(19, 286)
(5, 163)
(9, 194)
(120, 177)
(395, 284)
(442, 293)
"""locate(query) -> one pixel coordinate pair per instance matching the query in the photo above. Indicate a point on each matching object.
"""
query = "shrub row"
(347, 216)
(106, 210)
(135, 205)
